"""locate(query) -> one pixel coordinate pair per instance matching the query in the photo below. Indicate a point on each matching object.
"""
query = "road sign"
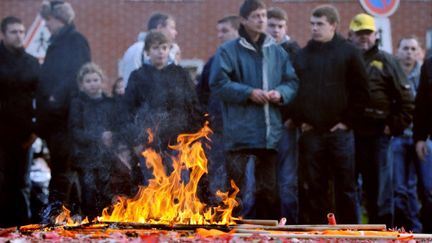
(36, 40)
(380, 8)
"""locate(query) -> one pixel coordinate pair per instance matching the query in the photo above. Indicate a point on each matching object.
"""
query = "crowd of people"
(335, 126)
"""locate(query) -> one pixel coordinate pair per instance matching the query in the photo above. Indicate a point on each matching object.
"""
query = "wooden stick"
(264, 222)
(380, 227)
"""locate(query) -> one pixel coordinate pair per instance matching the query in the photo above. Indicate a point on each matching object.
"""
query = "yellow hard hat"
(362, 22)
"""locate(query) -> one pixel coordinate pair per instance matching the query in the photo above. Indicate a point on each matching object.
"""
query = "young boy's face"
(158, 54)
(92, 85)
(276, 28)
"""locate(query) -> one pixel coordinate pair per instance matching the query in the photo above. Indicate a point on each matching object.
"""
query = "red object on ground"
(331, 219)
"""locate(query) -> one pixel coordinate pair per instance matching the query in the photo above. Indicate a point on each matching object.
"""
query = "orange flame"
(169, 200)
(64, 218)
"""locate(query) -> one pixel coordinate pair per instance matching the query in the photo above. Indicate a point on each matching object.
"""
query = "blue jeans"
(287, 175)
(327, 159)
(410, 173)
(377, 176)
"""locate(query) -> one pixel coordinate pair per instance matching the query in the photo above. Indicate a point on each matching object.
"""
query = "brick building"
(112, 25)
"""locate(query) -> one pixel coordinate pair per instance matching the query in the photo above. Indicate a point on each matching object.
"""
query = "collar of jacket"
(62, 32)
(263, 41)
(8, 54)
(337, 38)
(371, 51)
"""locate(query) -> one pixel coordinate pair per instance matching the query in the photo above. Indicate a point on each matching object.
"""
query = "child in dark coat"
(91, 131)
(162, 97)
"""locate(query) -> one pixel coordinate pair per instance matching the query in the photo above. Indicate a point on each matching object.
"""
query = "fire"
(169, 200)
(64, 218)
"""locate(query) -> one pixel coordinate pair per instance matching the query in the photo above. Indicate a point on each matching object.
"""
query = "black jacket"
(209, 102)
(333, 84)
(163, 100)
(391, 102)
(88, 119)
(292, 48)
(423, 104)
(68, 51)
(18, 79)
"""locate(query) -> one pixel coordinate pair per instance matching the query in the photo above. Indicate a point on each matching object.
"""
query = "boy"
(160, 96)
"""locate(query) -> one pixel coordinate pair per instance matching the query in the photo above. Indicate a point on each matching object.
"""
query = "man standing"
(333, 88)
(253, 77)
(287, 153)
(423, 130)
(18, 80)
(135, 55)
(388, 113)
(410, 171)
(227, 30)
(67, 52)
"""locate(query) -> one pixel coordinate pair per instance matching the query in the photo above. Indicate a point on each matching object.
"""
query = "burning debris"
(168, 210)
(169, 199)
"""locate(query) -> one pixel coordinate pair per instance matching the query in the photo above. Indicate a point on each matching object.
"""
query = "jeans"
(326, 163)
(262, 164)
(216, 167)
(411, 174)
(287, 175)
(377, 176)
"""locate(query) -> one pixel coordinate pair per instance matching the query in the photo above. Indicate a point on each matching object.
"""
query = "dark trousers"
(326, 163)
(377, 177)
(14, 184)
(94, 187)
(64, 185)
(266, 190)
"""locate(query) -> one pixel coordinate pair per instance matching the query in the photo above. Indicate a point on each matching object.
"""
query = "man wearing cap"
(388, 113)
(67, 52)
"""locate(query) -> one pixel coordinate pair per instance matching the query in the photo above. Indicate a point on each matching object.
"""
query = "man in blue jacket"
(253, 77)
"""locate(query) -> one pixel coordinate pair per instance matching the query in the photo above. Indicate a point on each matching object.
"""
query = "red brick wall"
(112, 25)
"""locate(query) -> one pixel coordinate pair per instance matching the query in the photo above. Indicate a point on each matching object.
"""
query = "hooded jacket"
(239, 67)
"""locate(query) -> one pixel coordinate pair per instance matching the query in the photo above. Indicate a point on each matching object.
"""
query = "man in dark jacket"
(67, 52)
(422, 135)
(18, 80)
(333, 87)
(388, 113)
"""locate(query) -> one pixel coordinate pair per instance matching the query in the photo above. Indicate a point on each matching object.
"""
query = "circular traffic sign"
(380, 8)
